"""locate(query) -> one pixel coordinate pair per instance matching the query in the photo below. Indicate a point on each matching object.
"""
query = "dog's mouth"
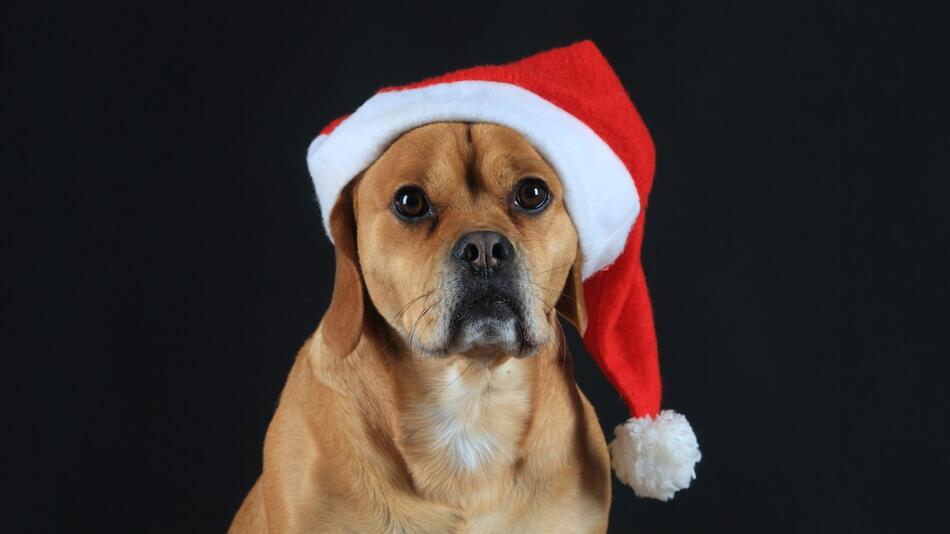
(490, 305)
(490, 319)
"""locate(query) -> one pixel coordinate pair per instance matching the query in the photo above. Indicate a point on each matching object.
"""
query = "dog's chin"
(484, 338)
(489, 334)
(485, 329)
(502, 330)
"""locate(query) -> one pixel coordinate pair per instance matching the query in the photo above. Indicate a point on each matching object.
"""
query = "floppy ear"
(571, 302)
(343, 324)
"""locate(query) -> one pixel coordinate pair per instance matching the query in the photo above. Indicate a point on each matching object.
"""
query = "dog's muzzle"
(489, 310)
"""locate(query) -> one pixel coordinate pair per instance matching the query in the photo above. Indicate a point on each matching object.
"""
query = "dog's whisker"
(542, 287)
(416, 323)
(561, 294)
(554, 268)
(547, 308)
(456, 379)
(410, 303)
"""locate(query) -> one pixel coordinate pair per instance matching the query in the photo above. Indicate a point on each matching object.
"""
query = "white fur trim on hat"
(655, 457)
(598, 190)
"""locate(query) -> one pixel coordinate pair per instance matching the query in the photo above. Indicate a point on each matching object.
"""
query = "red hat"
(570, 105)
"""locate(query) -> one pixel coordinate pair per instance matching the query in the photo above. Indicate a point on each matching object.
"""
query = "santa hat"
(570, 105)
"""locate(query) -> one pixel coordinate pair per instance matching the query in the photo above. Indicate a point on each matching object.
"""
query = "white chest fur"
(469, 419)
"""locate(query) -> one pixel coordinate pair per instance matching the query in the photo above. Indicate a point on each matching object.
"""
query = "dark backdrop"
(163, 258)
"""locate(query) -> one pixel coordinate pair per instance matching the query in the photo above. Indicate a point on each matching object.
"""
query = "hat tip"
(656, 456)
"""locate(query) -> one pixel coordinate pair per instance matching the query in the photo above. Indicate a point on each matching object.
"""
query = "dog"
(437, 393)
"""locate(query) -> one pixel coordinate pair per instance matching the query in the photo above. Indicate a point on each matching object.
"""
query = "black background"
(163, 258)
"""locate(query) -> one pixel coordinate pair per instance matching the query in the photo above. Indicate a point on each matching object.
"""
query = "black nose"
(484, 252)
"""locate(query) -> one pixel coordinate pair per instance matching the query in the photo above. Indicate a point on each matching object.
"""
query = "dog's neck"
(462, 420)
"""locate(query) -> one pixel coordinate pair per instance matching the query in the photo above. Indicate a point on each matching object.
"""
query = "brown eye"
(532, 194)
(411, 203)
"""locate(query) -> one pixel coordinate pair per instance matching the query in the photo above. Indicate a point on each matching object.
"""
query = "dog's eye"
(410, 202)
(532, 194)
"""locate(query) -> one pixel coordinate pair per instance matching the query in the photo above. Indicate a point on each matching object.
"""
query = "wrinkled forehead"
(442, 155)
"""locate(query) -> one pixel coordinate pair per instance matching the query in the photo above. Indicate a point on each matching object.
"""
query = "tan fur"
(376, 433)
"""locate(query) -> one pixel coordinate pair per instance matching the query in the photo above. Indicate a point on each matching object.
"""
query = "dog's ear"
(571, 302)
(343, 324)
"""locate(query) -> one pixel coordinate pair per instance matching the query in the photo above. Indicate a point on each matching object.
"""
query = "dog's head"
(459, 236)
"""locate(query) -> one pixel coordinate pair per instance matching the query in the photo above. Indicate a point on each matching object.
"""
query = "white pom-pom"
(655, 457)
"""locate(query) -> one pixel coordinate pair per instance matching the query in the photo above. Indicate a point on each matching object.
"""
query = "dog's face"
(463, 243)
